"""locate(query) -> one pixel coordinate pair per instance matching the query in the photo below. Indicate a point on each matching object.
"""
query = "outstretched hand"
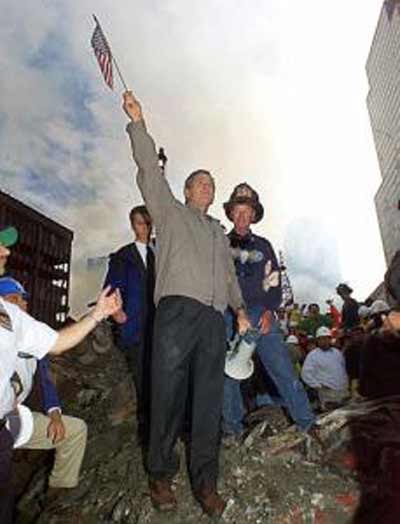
(132, 107)
(107, 304)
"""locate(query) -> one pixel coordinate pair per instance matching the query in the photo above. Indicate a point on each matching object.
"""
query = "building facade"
(41, 259)
(383, 101)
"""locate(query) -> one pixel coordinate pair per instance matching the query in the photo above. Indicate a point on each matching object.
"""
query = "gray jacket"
(193, 255)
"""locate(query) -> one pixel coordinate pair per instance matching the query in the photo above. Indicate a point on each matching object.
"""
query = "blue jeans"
(275, 358)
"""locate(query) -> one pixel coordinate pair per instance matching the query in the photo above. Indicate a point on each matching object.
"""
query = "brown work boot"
(162, 496)
(210, 501)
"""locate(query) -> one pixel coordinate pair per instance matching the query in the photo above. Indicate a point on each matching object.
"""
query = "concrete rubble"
(275, 475)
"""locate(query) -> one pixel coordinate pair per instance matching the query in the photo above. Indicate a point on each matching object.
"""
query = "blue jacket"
(257, 270)
(127, 271)
(49, 393)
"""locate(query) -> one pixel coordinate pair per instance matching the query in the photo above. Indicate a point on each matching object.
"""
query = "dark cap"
(344, 288)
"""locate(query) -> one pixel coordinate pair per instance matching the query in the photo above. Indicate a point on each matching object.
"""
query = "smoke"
(62, 141)
(312, 259)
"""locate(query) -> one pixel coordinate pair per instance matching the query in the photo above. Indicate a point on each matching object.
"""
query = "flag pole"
(119, 73)
(112, 56)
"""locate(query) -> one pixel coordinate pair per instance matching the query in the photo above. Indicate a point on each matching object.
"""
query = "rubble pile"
(275, 475)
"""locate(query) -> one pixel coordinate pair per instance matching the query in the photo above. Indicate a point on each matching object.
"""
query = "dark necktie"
(149, 258)
(150, 272)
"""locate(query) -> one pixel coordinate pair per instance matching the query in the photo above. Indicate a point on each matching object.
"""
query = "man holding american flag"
(195, 282)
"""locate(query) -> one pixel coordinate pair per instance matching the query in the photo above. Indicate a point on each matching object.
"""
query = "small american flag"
(103, 54)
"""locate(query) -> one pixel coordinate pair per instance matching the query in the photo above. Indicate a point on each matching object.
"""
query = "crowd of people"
(325, 348)
(177, 303)
(325, 352)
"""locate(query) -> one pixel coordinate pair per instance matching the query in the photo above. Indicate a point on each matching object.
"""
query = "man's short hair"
(190, 179)
(142, 211)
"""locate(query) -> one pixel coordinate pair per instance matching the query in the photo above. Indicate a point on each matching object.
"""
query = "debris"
(316, 499)
(276, 475)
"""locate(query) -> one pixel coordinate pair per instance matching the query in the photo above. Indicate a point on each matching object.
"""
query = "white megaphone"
(20, 425)
(238, 362)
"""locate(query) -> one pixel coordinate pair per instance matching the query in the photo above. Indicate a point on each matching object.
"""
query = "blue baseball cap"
(10, 286)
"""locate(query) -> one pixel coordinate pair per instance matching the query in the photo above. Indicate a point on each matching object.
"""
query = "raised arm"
(151, 181)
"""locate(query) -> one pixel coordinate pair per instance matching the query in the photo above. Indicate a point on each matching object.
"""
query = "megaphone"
(238, 361)
(20, 425)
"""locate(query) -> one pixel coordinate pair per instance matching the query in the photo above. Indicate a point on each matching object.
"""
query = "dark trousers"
(188, 356)
(6, 487)
(138, 358)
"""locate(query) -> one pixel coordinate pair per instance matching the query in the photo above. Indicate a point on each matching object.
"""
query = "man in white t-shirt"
(51, 428)
(21, 332)
(324, 370)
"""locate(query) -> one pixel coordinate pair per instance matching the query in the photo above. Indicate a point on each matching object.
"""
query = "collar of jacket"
(124, 251)
(128, 253)
(239, 241)
(201, 215)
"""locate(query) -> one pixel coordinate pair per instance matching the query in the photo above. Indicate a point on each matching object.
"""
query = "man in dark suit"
(132, 270)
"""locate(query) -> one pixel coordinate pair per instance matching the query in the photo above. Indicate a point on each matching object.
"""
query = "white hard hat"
(292, 339)
(379, 306)
(323, 332)
(363, 311)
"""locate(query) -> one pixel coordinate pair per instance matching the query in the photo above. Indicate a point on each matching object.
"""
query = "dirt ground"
(264, 480)
(276, 476)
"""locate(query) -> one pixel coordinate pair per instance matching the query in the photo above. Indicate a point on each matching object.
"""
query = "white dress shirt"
(325, 369)
(142, 248)
(19, 332)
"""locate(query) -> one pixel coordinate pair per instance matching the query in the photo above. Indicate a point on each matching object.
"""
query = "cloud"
(62, 141)
(239, 88)
(59, 152)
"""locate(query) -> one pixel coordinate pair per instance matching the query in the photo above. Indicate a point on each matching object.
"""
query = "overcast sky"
(270, 92)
